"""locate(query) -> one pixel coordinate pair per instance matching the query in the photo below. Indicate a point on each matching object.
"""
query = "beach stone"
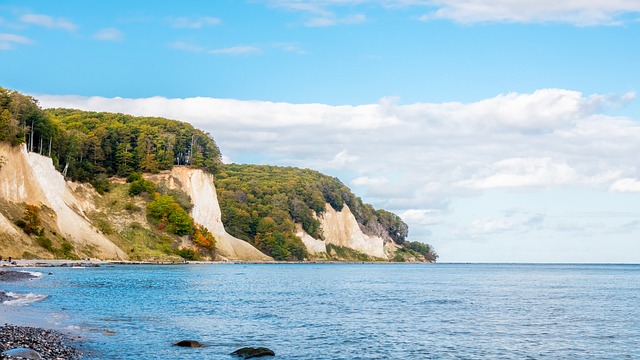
(250, 353)
(188, 343)
(22, 353)
(20, 341)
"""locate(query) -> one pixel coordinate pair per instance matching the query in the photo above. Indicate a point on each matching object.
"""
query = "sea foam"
(23, 299)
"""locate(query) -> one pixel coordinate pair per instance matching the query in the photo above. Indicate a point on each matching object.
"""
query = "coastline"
(21, 340)
(40, 263)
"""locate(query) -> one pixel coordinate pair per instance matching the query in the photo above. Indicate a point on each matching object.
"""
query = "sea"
(339, 311)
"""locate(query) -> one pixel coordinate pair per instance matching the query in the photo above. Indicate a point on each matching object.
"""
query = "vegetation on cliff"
(259, 204)
(259, 199)
(92, 146)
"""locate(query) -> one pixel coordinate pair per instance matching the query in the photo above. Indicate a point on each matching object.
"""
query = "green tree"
(165, 210)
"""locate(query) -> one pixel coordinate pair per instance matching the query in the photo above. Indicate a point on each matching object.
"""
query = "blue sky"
(499, 130)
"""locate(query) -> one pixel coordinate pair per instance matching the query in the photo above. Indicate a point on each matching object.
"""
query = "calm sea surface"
(335, 311)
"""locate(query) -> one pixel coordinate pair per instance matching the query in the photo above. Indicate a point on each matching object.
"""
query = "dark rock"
(4, 297)
(9, 275)
(22, 353)
(249, 352)
(188, 343)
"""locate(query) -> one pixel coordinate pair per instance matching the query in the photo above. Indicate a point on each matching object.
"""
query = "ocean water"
(343, 311)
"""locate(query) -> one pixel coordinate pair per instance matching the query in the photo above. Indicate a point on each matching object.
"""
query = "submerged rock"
(22, 353)
(188, 343)
(4, 297)
(249, 352)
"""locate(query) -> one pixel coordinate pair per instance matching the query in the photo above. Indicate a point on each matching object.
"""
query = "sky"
(499, 130)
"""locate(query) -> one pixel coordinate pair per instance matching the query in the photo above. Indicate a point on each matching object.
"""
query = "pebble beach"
(23, 341)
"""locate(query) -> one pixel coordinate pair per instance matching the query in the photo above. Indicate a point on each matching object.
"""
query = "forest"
(92, 146)
(260, 204)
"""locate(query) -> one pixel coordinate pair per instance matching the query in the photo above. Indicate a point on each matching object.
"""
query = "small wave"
(442, 302)
(23, 299)
(77, 328)
(34, 273)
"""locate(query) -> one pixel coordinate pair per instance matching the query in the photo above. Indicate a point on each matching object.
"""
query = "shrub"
(202, 237)
(140, 186)
(188, 254)
(164, 210)
(131, 207)
(45, 242)
(101, 183)
(178, 195)
(30, 222)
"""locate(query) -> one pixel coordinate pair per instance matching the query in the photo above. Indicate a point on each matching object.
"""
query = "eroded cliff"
(30, 178)
(206, 210)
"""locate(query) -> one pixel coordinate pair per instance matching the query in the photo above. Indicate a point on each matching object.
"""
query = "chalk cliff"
(341, 228)
(200, 187)
(32, 179)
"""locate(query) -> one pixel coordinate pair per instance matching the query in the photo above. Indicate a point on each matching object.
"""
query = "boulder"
(188, 343)
(22, 353)
(249, 352)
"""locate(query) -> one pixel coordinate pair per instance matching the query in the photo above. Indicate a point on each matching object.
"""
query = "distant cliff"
(115, 186)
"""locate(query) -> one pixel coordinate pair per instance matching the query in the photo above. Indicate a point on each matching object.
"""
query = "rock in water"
(4, 297)
(22, 353)
(188, 343)
(10, 276)
(249, 352)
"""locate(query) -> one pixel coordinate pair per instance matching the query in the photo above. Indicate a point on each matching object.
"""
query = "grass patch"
(337, 252)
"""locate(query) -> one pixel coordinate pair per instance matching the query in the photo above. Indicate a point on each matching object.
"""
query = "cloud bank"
(416, 159)
(579, 13)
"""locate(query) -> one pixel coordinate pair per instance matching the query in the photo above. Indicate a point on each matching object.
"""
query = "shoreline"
(27, 341)
(44, 263)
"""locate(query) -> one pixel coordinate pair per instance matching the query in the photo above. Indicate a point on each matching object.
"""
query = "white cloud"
(523, 172)
(109, 34)
(581, 13)
(198, 23)
(369, 181)
(48, 22)
(626, 185)
(421, 216)
(237, 50)
(342, 159)
(8, 40)
(488, 226)
(428, 155)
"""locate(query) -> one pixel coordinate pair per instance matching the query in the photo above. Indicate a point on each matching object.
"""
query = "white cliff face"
(32, 178)
(314, 246)
(206, 211)
(341, 228)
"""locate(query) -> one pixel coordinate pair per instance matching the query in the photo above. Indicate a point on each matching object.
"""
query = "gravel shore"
(50, 344)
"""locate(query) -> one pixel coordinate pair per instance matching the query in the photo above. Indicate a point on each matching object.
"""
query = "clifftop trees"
(118, 144)
(87, 146)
